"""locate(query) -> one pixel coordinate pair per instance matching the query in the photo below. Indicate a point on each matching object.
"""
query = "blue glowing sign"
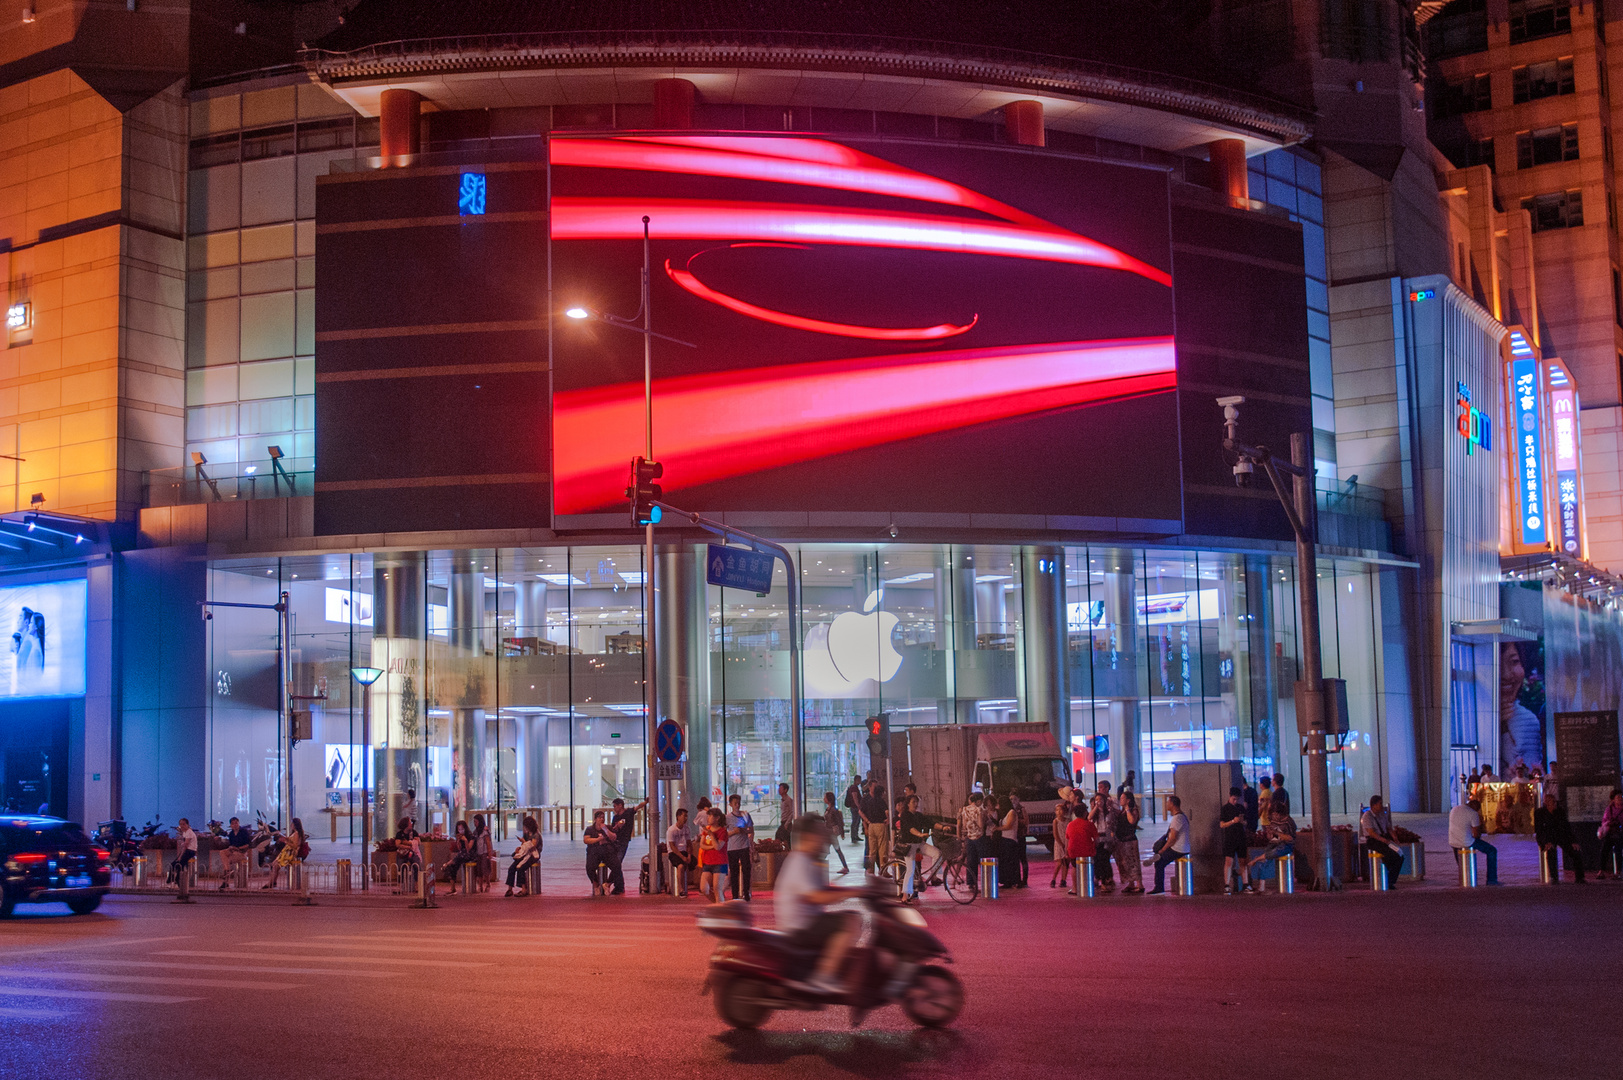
(1525, 394)
(470, 198)
(739, 568)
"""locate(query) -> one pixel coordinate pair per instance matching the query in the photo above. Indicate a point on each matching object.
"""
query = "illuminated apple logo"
(853, 649)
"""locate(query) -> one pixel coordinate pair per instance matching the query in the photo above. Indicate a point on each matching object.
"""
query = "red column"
(1228, 169)
(673, 104)
(1024, 120)
(400, 125)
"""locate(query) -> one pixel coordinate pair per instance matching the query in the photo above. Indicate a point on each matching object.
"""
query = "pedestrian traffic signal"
(643, 492)
(879, 736)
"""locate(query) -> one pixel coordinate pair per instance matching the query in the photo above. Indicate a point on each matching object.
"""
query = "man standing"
(1282, 795)
(853, 799)
(874, 816)
(1554, 833)
(238, 841)
(1233, 826)
(972, 831)
(622, 825)
(185, 853)
(786, 814)
(740, 842)
(1465, 835)
(678, 848)
(1175, 844)
(1376, 825)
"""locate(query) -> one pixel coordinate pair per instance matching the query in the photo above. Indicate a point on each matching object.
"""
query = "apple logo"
(853, 649)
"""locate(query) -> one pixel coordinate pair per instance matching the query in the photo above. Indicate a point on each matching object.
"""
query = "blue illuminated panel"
(471, 196)
(1525, 394)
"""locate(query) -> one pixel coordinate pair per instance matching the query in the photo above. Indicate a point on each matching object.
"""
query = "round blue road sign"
(668, 741)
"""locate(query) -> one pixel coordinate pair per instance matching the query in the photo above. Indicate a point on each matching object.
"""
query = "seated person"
(798, 897)
(408, 848)
(1280, 833)
(1376, 825)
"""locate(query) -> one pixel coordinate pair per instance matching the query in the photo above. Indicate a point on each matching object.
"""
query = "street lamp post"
(366, 676)
(650, 654)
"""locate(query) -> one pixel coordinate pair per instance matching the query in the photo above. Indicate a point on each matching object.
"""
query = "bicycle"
(950, 869)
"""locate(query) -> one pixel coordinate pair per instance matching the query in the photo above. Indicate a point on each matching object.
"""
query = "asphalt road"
(1514, 981)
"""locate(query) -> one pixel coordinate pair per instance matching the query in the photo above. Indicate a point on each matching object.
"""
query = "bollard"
(240, 873)
(1614, 862)
(341, 876)
(1285, 870)
(469, 874)
(1378, 881)
(139, 867)
(183, 881)
(1547, 871)
(425, 888)
(989, 878)
(1467, 858)
(1087, 886)
(1183, 879)
(533, 878)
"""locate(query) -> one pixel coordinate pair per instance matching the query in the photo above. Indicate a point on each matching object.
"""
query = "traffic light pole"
(1301, 510)
(796, 661)
(652, 788)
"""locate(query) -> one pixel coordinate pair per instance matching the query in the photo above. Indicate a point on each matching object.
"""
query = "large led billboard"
(876, 326)
(46, 656)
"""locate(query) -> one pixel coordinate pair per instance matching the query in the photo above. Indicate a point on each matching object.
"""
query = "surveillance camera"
(1242, 473)
(1229, 402)
(893, 532)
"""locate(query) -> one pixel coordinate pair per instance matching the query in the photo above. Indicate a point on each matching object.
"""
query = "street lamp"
(580, 313)
(366, 676)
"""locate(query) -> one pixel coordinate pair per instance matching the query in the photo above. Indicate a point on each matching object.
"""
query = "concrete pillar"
(1120, 663)
(673, 104)
(530, 609)
(1263, 677)
(1043, 639)
(1228, 169)
(465, 601)
(1024, 121)
(955, 633)
(400, 125)
(681, 622)
(399, 597)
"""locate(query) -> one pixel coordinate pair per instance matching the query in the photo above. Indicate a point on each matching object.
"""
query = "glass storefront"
(514, 677)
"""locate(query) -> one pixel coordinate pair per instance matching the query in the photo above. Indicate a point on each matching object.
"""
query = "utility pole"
(655, 817)
(1313, 719)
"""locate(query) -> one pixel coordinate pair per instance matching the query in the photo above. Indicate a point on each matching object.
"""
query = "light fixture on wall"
(37, 499)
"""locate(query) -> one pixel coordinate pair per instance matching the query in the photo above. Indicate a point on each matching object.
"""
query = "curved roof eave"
(1268, 119)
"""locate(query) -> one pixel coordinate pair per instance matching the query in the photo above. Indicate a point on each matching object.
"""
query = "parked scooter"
(754, 972)
(123, 846)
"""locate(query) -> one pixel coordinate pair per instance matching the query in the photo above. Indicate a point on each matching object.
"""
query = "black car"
(47, 860)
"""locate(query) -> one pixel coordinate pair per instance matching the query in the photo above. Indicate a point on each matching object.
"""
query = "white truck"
(948, 762)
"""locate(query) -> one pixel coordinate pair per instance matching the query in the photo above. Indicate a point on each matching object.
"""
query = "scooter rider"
(798, 897)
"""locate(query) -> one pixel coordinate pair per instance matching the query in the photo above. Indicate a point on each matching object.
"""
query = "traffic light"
(642, 491)
(879, 735)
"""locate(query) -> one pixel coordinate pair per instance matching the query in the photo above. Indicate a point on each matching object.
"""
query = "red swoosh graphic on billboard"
(692, 284)
(580, 218)
(739, 422)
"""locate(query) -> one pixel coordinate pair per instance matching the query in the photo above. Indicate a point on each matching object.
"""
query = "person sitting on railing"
(527, 855)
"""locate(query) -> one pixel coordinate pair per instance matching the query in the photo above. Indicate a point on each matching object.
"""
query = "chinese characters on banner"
(1568, 486)
(1525, 392)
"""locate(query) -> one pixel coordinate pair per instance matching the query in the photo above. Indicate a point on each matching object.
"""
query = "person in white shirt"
(1176, 843)
(185, 852)
(740, 844)
(679, 849)
(1465, 834)
(798, 898)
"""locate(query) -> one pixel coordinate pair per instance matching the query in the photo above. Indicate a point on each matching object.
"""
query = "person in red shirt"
(1081, 839)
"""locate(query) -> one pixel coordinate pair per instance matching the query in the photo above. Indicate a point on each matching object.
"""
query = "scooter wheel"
(935, 999)
(741, 1002)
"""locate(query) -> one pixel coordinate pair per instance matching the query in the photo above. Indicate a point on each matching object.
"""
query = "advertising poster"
(46, 648)
(1521, 706)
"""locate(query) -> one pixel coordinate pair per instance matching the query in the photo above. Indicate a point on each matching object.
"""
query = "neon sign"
(1474, 425)
(1524, 383)
(470, 197)
(1564, 425)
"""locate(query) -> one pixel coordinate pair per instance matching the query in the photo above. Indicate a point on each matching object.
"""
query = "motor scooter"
(895, 960)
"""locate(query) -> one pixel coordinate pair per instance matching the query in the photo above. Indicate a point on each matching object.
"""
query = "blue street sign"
(739, 568)
(668, 741)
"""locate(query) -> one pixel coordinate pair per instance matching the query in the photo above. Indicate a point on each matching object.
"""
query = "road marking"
(96, 995)
(245, 969)
(503, 939)
(362, 959)
(171, 980)
(413, 947)
(76, 946)
(35, 1014)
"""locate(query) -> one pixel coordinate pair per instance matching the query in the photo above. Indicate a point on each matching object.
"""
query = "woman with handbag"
(295, 849)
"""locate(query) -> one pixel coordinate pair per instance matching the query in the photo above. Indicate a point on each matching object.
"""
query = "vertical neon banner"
(1525, 391)
(1564, 430)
